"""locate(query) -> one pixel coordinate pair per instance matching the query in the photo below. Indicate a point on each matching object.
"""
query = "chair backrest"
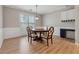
(30, 27)
(50, 32)
(28, 30)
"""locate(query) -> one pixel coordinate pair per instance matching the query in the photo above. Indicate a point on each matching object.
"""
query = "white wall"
(51, 19)
(54, 19)
(77, 25)
(12, 32)
(1, 27)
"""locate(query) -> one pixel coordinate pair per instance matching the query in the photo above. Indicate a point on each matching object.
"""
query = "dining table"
(40, 31)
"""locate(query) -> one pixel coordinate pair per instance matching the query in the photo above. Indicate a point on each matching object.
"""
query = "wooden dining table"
(40, 31)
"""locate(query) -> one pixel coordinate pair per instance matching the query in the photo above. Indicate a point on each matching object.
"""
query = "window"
(22, 18)
(27, 20)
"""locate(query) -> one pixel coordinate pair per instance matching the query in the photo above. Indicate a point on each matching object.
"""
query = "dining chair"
(30, 34)
(46, 28)
(49, 35)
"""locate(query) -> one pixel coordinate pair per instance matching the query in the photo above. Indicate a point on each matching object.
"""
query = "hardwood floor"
(21, 46)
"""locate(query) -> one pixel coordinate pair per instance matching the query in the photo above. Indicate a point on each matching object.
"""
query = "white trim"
(12, 32)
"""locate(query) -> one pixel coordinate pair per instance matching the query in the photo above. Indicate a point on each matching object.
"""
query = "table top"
(39, 30)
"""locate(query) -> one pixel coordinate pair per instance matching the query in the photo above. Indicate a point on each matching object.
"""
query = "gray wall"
(11, 22)
(11, 17)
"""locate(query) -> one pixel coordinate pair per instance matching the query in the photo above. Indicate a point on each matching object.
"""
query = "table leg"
(40, 38)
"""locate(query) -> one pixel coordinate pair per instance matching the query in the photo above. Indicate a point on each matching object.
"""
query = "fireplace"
(67, 33)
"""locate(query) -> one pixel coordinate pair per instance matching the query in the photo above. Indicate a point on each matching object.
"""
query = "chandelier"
(36, 15)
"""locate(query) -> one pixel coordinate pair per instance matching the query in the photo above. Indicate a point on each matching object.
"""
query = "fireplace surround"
(64, 33)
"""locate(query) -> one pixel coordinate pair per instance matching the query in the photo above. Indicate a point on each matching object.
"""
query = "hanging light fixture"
(36, 16)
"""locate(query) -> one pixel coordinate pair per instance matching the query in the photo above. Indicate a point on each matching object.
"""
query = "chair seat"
(32, 35)
(46, 36)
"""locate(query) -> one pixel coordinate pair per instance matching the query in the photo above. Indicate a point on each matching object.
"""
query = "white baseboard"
(12, 32)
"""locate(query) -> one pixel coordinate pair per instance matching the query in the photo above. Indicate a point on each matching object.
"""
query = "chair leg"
(31, 41)
(47, 43)
(28, 38)
(51, 41)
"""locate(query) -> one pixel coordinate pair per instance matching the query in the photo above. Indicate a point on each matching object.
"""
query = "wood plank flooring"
(22, 46)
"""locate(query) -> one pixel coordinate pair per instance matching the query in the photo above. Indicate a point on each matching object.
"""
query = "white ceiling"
(41, 9)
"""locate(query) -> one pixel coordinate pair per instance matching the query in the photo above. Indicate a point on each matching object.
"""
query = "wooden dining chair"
(49, 35)
(46, 28)
(30, 34)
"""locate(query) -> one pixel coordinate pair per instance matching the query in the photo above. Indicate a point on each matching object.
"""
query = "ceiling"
(41, 9)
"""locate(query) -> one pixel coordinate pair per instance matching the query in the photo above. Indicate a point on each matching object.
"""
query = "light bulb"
(36, 18)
